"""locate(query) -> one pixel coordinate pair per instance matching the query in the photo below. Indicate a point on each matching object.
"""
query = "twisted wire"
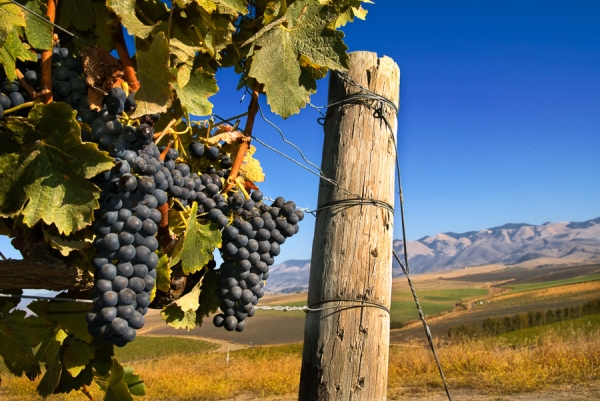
(86, 301)
(425, 325)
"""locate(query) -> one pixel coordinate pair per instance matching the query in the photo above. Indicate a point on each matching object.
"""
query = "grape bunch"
(68, 85)
(12, 95)
(144, 178)
(249, 247)
(126, 228)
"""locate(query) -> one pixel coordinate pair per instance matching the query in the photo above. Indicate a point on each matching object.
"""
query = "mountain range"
(512, 244)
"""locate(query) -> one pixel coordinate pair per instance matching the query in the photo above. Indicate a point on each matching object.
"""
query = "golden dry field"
(560, 361)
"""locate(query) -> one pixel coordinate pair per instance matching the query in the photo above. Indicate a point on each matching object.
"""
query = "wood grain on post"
(346, 350)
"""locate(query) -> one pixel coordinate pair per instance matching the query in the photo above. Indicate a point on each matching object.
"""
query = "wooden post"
(346, 345)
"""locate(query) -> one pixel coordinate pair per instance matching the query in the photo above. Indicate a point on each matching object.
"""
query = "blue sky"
(499, 119)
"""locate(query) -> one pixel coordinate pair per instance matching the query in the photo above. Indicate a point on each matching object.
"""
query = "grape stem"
(86, 391)
(158, 136)
(126, 63)
(24, 84)
(46, 60)
(166, 150)
(239, 158)
(164, 236)
(21, 106)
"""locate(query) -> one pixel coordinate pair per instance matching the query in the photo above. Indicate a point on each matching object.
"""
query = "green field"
(585, 325)
(403, 307)
(432, 302)
(551, 284)
(145, 348)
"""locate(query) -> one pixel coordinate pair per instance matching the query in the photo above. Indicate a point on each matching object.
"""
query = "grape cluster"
(12, 95)
(249, 247)
(68, 85)
(126, 228)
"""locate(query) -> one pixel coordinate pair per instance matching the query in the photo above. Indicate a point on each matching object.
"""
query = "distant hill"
(510, 244)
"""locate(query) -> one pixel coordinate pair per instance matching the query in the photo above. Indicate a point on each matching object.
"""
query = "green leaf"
(67, 244)
(163, 274)
(69, 383)
(208, 5)
(196, 247)
(38, 32)
(51, 340)
(276, 63)
(77, 355)
(15, 342)
(11, 16)
(116, 388)
(134, 382)
(181, 314)
(194, 94)
(125, 10)
(154, 95)
(103, 354)
(177, 318)
(49, 352)
(209, 300)
(100, 31)
(69, 316)
(14, 49)
(75, 13)
(51, 378)
(49, 181)
(235, 5)
(216, 31)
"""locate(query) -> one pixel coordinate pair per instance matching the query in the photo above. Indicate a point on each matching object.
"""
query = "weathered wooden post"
(346, 342)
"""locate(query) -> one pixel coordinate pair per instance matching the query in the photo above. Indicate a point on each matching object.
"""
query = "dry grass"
(492, 366)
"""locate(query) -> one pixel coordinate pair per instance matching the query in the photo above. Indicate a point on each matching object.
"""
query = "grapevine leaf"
(116, 388)
(4, 229)
(66, 245)
(76, 13)
(196, 247)
(38, 32)
(14, 49)
(194, 94)
(15, 346)
(77, 355)
(350, 9)
(235, 5)
(103, 354)
(155, 10)
(103, 38)
(181, 314)
(154, 95)
(276, 65)
(163, 274)
(50, 180)
(178, 319)
(208, 5)
(11, 15)
(125, 10)
(49, 352)
(51, 378)
(134, 382)
(250, 168)
(52, 339)
(69, 316)
(209, 301)
(69, 383)
(215, 30)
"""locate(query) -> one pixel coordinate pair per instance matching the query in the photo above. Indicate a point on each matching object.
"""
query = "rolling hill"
(510, 244)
